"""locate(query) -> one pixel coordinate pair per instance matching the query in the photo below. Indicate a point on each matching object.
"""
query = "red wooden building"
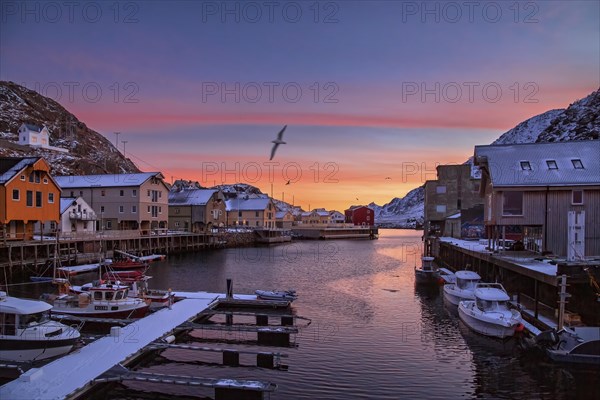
(360, 215)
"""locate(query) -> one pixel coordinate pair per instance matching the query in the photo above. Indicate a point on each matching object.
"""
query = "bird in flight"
(388, 177)
(288, 182)
(277, 142)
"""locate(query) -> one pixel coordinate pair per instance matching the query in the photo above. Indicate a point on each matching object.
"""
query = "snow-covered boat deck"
(73, 373)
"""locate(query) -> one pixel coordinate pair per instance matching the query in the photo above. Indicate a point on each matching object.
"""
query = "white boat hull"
(34, 354)
(485, 325)
(454, 296)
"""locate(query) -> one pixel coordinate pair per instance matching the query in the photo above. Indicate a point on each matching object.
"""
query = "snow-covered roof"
(323, 213)
(467, 275)
(34, 128)
(10, 166)
(491, 294)
(65, 203)
(281, 214)
(454, 216)
(248, 204)
(191, 197)
(15, 305)
(306, 214)
(107, 180)
(541, 164)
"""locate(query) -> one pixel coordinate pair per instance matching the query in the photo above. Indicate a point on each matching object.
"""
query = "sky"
(369, 90)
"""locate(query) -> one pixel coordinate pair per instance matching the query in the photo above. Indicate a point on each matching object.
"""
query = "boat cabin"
(109, 292)
(467, 280)
(490, 297)
(427, 264)
(19, 314)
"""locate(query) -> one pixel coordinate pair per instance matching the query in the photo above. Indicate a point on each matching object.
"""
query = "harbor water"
(373, 335)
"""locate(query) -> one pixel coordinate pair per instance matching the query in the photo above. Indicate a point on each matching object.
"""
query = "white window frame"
(573, 197)
(18, 195)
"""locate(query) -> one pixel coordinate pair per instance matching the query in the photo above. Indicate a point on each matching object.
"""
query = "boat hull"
(453, 296)
(426, 277)
(485, 327)
(30, 350)
(122, 313)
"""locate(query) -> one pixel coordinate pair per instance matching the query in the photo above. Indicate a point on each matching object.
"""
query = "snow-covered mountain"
(231, 191)
(89, 152)
(403, 212)
(579, 121)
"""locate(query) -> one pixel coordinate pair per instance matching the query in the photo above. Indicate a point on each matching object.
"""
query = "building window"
(458, 204)
(525, 165)
(440, 208)
(256, 214)
(160, 194)
(101, 208)
(108, 224)
(22, 177)
(121, 209)
(134, 193)
(577, 164)
(148, 193)
(31, 177)
(45, 181)
(177, 224)
(103, 193)
(177, 211)
(148, 208)
(52, 225)
(577, 197)
(256, 223)
(440, 189)
(38, 199)
(134, 209)
(16, 195)
(512, 203)
(551, 164)
(121, 193)
(160, 210)
(50, 197)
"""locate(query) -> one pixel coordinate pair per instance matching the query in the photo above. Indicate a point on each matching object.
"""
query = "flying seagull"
(388, 177)
(288, 182)
(277, 142)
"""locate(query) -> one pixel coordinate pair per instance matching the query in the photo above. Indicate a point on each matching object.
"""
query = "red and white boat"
(126, 264)
(99, 300)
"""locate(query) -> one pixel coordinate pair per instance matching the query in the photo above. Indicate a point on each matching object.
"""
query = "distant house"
(455, 190)
(546, 195)
(360, 215)
(336, 217)
(122, 201)
(251, 212)
(284, 219)
(196, 210)
(36, 136)
(316, 216)
(28, 194)
(75, 216)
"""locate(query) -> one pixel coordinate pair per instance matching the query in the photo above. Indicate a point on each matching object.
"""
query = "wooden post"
(535, 298)
(231, 358)
(563, 295)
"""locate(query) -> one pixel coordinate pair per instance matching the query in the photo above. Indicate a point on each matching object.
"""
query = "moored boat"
(580, 345)
(101, 300)
(289, 295)
(488, 314)
(463, 288)
(428, 273)
(28, 334)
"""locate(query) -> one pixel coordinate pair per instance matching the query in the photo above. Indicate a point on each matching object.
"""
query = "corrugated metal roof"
(191, 197)
(280, 214)
(10, 166)
(247, 205)
(109, 180)
(34, 128)
(506, 169)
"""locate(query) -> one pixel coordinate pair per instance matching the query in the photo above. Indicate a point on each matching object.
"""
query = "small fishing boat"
(100, 300)
(489, 314)
(463, 288)
(580, 345)
(277, 294)
(427, 274)
(126, 264)
(28, 334)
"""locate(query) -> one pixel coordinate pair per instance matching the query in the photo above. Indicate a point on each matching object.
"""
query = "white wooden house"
(36, 136)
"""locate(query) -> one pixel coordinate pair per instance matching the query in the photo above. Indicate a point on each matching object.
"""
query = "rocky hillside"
(579, 121)
(89, 151)
(252, 192)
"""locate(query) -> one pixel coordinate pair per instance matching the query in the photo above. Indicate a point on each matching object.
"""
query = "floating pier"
(74, 374)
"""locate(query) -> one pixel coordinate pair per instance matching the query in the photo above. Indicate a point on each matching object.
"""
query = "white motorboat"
(28, 334)
(100, 300)
(428, 273)
(289, 295)
(463, 288)
(489, 314)
(579, 345)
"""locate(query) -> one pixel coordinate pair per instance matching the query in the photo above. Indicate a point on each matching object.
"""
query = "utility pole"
(117, 142)
(124, 143)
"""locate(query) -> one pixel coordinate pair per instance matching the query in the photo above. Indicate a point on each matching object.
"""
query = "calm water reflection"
(373, 335)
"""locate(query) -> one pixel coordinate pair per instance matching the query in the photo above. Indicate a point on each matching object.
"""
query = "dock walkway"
(72, 374)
